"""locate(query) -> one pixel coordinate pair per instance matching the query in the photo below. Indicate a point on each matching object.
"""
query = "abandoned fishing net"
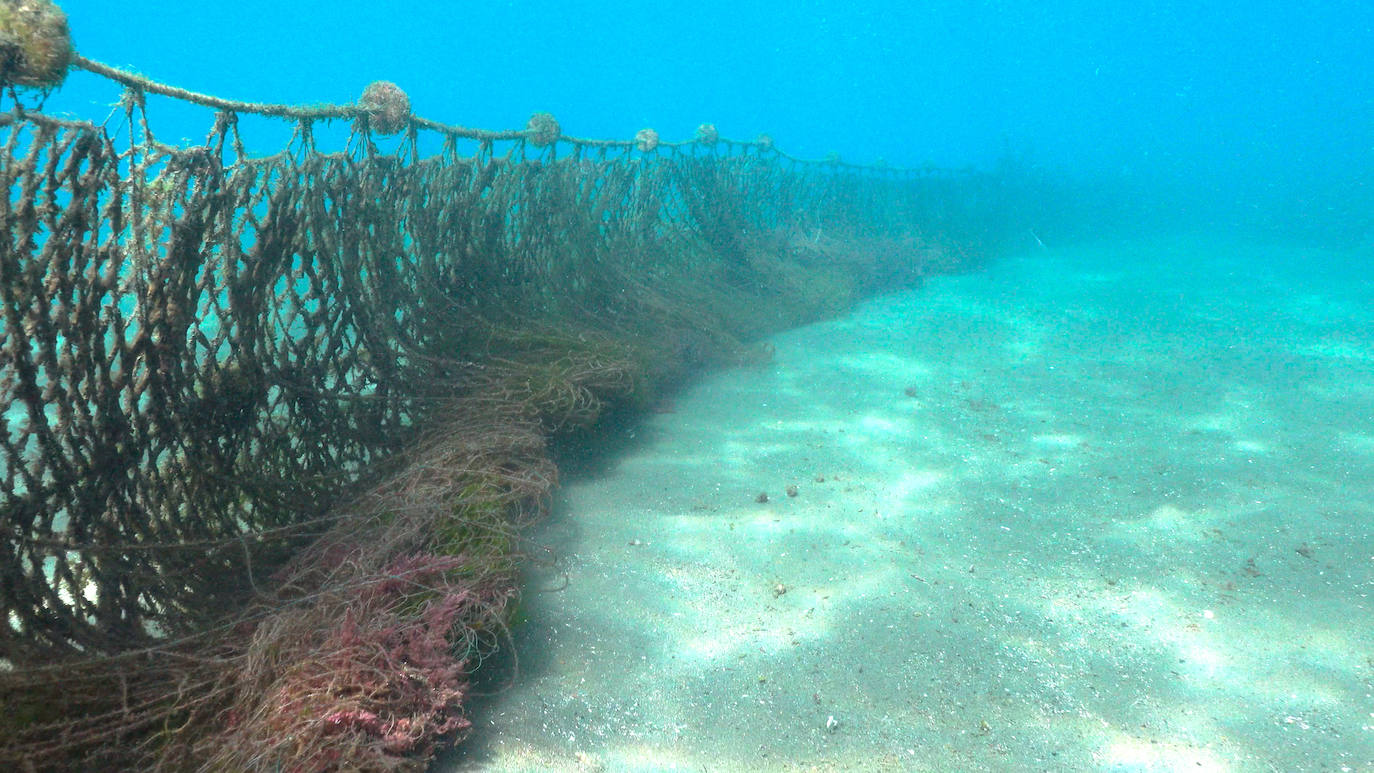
(275, 423)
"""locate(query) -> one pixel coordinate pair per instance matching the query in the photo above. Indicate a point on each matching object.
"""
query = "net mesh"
(272, 423)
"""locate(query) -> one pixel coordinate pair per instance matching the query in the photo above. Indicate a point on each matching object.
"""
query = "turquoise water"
(1101, 505)
(1258, 112)
(1094, 508)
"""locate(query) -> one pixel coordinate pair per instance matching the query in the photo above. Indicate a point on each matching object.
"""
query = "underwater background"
(1104, 503)
(1256, 113)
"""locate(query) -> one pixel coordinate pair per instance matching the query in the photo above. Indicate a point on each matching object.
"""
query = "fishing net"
(274, 423)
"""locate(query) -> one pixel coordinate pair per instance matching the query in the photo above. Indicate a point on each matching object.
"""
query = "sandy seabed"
(1103, 508)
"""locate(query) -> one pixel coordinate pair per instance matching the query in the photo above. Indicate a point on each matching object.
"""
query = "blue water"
(1217, 396)
(1258, 113)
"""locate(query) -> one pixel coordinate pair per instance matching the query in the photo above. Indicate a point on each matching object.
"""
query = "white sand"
(1124, 523)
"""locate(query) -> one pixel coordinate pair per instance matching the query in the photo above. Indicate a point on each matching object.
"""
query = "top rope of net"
(387, 110)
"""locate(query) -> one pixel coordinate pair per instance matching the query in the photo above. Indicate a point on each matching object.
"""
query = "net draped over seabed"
(215, 362)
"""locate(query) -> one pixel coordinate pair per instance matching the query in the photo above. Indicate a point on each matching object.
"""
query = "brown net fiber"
(273, 423)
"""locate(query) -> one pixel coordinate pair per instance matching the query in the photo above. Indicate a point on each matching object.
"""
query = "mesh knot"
(388, 107)
(543, 129)
(765, 142)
